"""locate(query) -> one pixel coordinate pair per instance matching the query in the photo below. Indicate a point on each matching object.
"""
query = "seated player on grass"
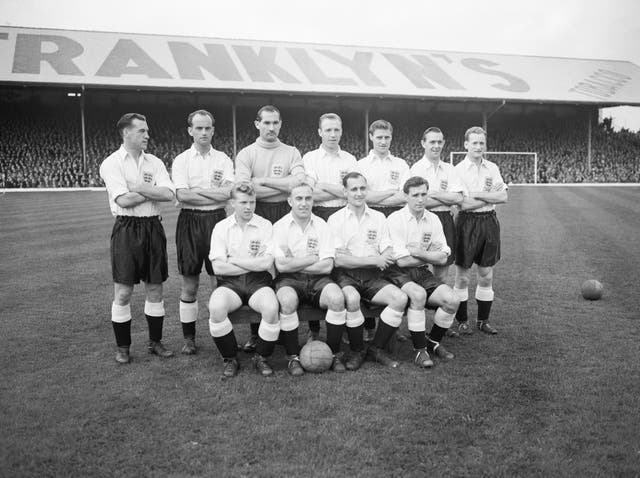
(304, 252)
(241, 256)
(418, 241)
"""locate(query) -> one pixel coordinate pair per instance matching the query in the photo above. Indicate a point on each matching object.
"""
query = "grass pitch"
(554, 394)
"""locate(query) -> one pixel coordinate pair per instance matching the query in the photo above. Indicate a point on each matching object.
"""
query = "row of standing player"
(136, 181)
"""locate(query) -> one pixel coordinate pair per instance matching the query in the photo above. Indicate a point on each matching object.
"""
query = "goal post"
(515, 166)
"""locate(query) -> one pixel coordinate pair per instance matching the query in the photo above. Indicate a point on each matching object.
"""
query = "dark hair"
(431, 129)
(244, 188)
(380, 124)
(474, 130)
(200, 112)
(352, 175)
(414, 182)
(126, 120)
(269, 108)
(330, 116)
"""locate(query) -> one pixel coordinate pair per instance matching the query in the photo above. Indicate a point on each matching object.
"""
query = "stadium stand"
(41, 145)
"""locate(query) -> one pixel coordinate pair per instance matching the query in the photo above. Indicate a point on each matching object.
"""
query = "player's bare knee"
(451, 302)
(153, 292)
(418, 297)
(122, 294)
(352, 299)
(399, 300)
(189, 290)
(288, 301)
(335, 300)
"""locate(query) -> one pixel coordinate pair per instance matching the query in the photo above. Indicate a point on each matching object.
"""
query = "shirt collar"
(194, 151)
(325, 152)
(252, 222)
(367, 211)
(291, 221)
(483, 162)
(429, 163)
(122, 154)
(374, 156)
(408, 216)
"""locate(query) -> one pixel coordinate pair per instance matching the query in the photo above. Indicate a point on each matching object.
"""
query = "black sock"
(370, 323)
(334, 336)
(227, 345)
(437, 333)
(254, 328)
(419, 340)
(314, 326)
(461, 314)
(189, 330)
(155, 327)
(122, 331)
(289, 339)
(264, 348)
(356, 339)
(484, 308)
(383, 334)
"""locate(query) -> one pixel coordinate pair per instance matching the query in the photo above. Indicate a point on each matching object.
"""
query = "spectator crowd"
(43, 148)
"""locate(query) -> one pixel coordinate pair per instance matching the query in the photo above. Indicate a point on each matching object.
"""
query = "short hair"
(380, 124)
(431, 129)
(352, 175)
(270, 109)
(242, 188)
(301, 185)
(329, 116)
(200, 112)
(414, 182)
(474, 130)
(126, 120)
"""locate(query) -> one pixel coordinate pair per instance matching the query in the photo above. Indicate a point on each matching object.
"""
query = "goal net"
(516, 167)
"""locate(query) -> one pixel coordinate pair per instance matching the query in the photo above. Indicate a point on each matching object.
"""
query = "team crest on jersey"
(216, 178)
(444, 184)
(372, 235)
(394, 176)
(254, 246)
(312, 245)
(426, 239)
(277, 170)
(488, 182)
(147, 176)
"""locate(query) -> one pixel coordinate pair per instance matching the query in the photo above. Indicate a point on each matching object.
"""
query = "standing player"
(445, 190)
(326, 166)
(202, 177)
(136, 182)
(363, 250)
(273, 168)
(304, 251)
(384, 172)
(419, 240)
(241, 255)
(478, 229)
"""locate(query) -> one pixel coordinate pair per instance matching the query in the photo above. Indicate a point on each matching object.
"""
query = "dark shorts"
(422, 276)
(272, 211)
(193, 239)
(386, 210)
(449, 227)
(308, 287)
(478, 239)
(368, 282)
(325, 212)
(138, 250)
(246, 285)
